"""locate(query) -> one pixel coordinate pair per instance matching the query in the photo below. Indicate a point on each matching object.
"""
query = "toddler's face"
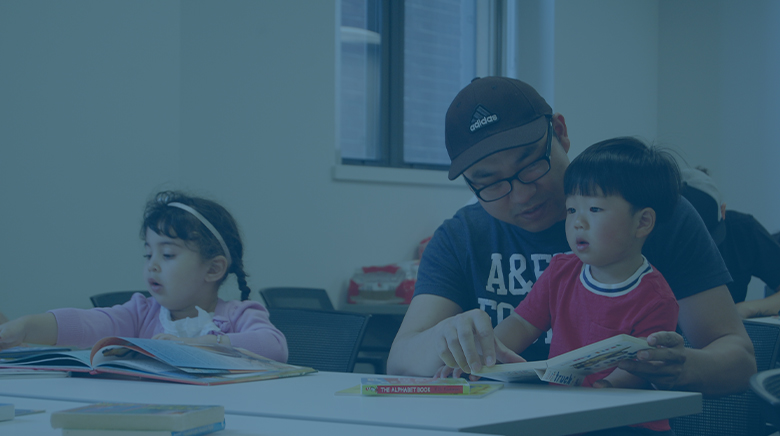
(601, 230)
(175, 275)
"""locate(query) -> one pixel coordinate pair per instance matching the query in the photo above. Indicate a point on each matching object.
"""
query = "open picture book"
(570, 368)
(160, 360)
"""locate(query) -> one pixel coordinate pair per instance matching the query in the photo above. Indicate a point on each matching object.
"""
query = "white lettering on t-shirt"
(515, 275)
(484, 303)
(537, 259)
(496, 276)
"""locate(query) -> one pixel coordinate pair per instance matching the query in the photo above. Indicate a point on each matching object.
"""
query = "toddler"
(191, 246)
(615, 190)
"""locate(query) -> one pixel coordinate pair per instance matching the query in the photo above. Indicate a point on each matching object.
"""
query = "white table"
(516, 409)
(235, 425)
(771, 320)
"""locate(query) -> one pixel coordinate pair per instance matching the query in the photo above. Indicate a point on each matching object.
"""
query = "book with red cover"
(413, 386)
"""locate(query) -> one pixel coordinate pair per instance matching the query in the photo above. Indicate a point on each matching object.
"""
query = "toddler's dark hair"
(178, 223)
(644, 176)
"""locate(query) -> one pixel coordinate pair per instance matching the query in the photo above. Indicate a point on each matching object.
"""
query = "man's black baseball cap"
(489, 115)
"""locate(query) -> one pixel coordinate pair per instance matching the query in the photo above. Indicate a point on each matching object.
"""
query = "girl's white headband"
(208, 225)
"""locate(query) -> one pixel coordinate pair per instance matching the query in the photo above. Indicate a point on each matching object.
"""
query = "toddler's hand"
(200, 340)
(443, 372)
(602, 384)
(446, 371)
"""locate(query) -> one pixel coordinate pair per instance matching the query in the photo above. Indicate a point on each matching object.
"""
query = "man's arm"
(764, 307)
(723, 361)
(436, 332)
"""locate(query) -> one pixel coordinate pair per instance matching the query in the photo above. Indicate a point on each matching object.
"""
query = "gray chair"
(321, 339)
(738, 414)
(766, 384)
(298, 298)
(109, 299)
(375, 346)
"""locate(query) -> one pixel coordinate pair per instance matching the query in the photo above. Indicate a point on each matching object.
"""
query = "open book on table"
(570, 368)
(161, 360)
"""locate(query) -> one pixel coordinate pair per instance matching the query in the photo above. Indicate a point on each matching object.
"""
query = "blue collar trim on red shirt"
(616, 289)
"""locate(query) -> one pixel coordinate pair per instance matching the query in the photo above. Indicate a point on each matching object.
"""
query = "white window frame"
(496, 55)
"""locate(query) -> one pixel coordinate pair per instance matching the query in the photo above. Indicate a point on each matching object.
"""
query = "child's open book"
(570, 368)
(161, 360)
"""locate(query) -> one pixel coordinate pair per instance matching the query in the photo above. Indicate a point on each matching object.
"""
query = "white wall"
(103, 103)
(719, 98)
(606, 69)
(697, 76)
(89, 128)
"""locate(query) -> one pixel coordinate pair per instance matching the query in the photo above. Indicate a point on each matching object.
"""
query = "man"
(512, 151)
(746, 246)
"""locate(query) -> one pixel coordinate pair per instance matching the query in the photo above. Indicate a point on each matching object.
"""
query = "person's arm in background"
(723, 360)
(763, 250)
(752, 250)
(764, 307)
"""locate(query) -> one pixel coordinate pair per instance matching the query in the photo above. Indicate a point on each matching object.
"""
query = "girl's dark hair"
(178, 223)
(644, 176)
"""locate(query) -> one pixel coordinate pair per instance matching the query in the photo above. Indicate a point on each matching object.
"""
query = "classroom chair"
(380, 330)
(738, 414)
(297, 298)
(326, 340)
(109, 299)
(766, 384)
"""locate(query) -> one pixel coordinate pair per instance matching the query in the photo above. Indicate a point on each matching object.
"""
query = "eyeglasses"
(531, 173)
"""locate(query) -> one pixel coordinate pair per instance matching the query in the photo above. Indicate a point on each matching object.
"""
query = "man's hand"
(661, 366)
(467, 343)
(504, 354)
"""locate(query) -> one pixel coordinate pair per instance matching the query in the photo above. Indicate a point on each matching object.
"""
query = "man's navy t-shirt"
(480, 262)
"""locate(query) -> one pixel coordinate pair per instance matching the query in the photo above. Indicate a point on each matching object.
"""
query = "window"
(401, 64)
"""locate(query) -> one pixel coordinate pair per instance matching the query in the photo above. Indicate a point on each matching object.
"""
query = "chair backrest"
(109, 299)
(297, 298)
(321, 339)
(766, 385)
(737, 414)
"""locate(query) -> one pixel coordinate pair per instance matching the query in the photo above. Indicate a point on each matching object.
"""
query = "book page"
(60, 360)
(514, 372)
(200, 357)
(600, 355)
(30, 350)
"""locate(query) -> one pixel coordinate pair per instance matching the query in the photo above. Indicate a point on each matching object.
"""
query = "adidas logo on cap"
(481, 118)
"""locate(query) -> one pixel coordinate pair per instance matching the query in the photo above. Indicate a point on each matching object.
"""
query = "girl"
(191, 246)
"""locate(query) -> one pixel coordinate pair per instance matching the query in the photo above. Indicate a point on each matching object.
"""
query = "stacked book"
(130, 419)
